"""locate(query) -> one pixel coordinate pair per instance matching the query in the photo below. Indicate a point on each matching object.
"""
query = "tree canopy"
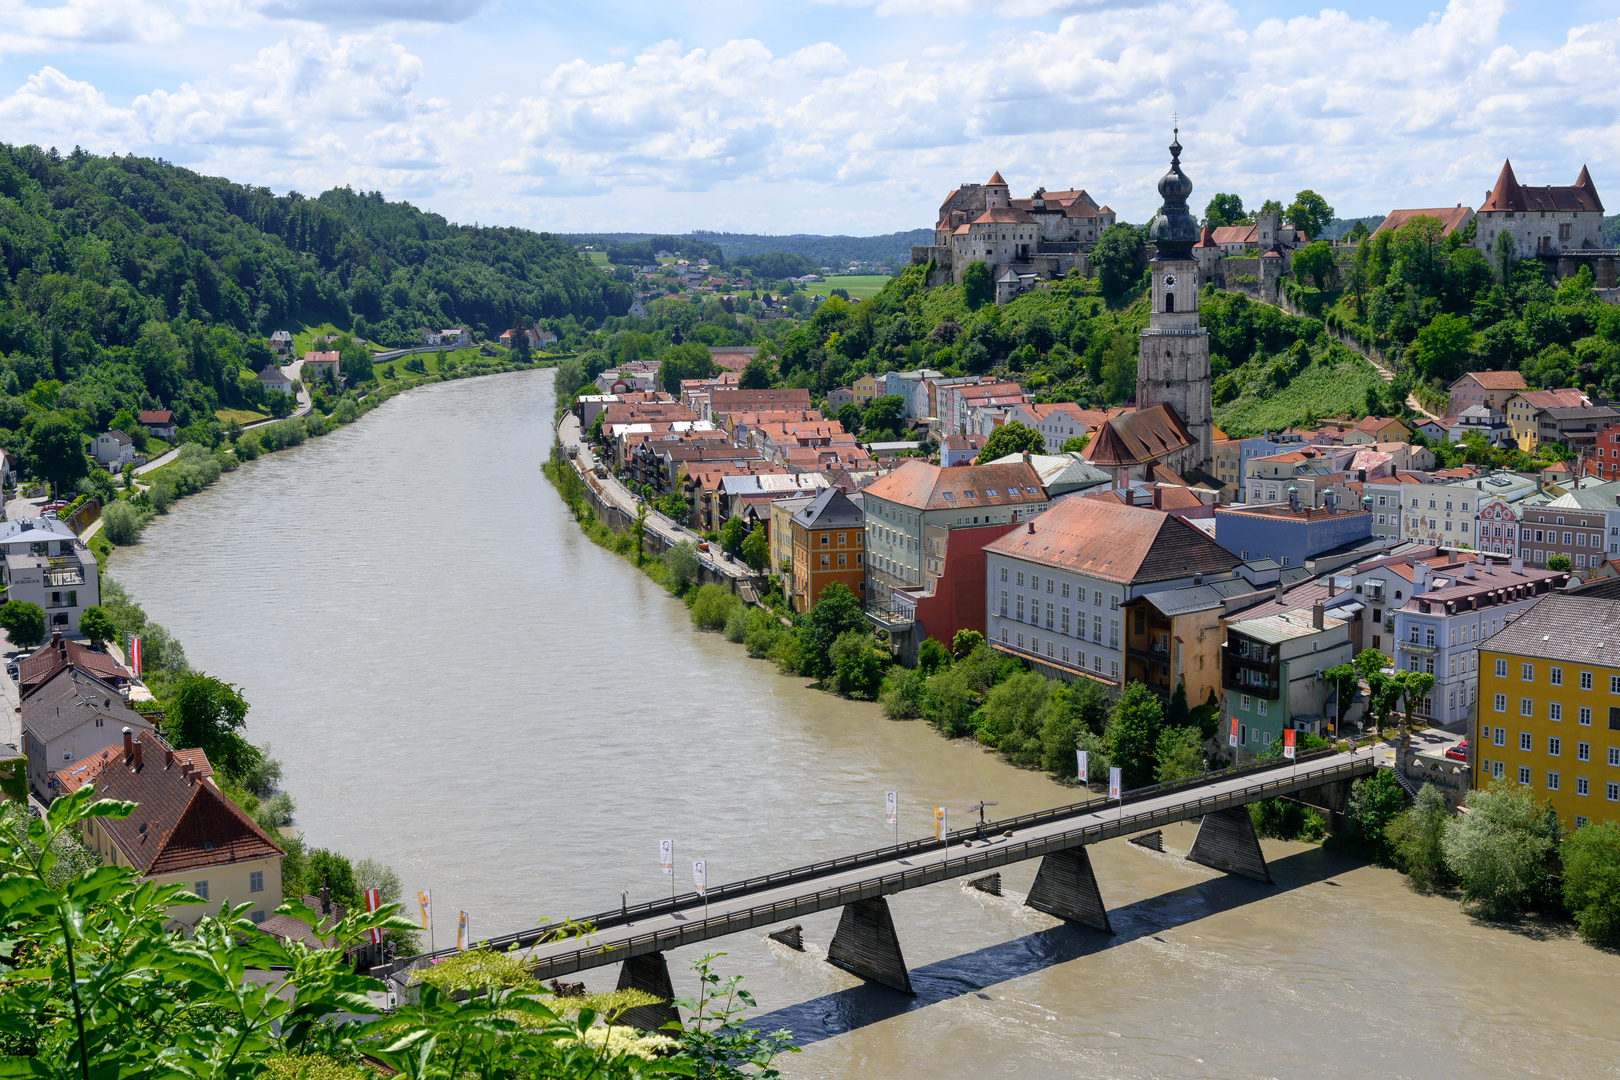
(1011, 438)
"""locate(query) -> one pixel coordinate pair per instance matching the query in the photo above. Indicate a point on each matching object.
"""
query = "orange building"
(829, 544)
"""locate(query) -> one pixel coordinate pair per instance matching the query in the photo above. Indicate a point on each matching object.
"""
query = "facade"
(838, 397)
(1453, 610)
(1172, 368)
(1549, 708)
(1271, 669)
(113, 450)
(72, 716)
(829, 544)
(900, 506)
(42, 562)
(318, 365)
(1229, 468)
(281, 342)
(1044, 236)
(1604, 498)
(865, 389)
(1574, 426)
(951, 597)
(1440, 510)
(1057, 589)
(1288, 535)
(959, 449)
(1490, 424)
(1058, 422)
(1540, 220)
(781, 526)
(184, 831)
(1574, 532)
(159, 422)
(1524, 412)
(271, 378)
(1174, 635)
(1493, 388)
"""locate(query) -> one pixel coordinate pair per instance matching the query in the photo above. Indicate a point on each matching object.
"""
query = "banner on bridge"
(700, 877)
(1082, 759)
(666, 856)
(891, 807)
(1114, 787)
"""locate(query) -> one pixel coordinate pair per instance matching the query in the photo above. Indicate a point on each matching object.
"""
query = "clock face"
(1169, 281)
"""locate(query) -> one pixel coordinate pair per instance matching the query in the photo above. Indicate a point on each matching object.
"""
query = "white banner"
(891, 807)
(1082, 760)
(666, 856)
(700, 877)
(1113, 783)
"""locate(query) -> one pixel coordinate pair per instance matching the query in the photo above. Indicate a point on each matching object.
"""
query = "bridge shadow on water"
(848, 1010)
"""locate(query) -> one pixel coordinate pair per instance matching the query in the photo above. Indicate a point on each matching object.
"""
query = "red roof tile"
(1105, 539)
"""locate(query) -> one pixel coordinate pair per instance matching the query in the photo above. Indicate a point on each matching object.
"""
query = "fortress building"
(1021, 240)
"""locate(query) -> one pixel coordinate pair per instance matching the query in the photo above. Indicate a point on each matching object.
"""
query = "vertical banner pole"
(891, 810)
(666, 863)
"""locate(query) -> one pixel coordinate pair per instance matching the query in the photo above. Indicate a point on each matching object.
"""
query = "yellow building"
(1549, 707)
(866, 388)
(1524, 412)
(782, 511)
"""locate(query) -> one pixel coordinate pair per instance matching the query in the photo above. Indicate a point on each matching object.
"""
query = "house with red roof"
(1540, 220)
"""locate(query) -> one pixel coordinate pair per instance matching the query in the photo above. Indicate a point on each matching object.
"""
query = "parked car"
(1459, 752)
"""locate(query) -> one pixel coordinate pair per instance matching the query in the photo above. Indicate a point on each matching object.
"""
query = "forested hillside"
(892, 249)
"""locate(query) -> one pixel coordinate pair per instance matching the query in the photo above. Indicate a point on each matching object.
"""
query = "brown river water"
(461, 684)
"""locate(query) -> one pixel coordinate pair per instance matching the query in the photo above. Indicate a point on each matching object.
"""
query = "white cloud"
(26, 27)
(370, 12)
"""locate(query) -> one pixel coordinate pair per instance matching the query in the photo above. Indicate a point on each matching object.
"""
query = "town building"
(1057, 588)
(113, 450)
(183, 831)
(1451, 218)
(1453, 611)
(901, 505)
(1041, 237)
(1574, 426)
(1265, 233)
(828, 545)
(959, 449)
(1482, 420)
(456, 337)
(1174, 636)
(1540, 220)
(1500, 499)
(866, 389)
(1228, 468)
(45, 563)
(1136, 446)
(1546, 718)
(72, 716)
(1061, 474)
(1058, 422)
(1292, 535)
(1493, 388)
(1562, 527)
(1272, 669)
(42, 665)
(1602, 457)
(1440, 508)
(271, 379)
(1524, 412)
(281, 342)
(1595, 497)
(724, 402)
(781, 532)
(838, 397)
(159, 422)
(320, 365)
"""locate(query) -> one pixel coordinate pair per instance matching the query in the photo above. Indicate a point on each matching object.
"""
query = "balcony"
(1414, 647)
(56, 579)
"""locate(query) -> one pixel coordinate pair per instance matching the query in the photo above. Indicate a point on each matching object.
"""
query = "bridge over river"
(866, 943)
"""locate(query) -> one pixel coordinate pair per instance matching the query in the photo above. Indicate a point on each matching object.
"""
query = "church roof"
(1138, 437)
(1510, 195)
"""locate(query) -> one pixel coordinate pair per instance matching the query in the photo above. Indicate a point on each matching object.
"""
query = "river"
(462, 685)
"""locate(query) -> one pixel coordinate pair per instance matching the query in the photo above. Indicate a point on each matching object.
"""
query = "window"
(1035, 582)
(1614, 755)
(1555, 676)
(1262, 707)
(1611, 791)
(1524, 774)
(1586, 680)
(1020, 641)
(1065, 590)
(1496, 769)
(1554, 746)
(1614, 684)
(1583, 751)
(1555, 711)
(1049, 584)
(200, 888)
(256, 881)
(1096, 601)
(825, 561)
(1524, 740)
(258, 916)
(1526, 707)
(1552, 780)
(1614, 718)
(1020, 579)
(1049, 616)
(1246, 703)
(1527, 672)
(1020, 607)
(1004, 578)
(824, 539)
(1499, 737)
(1501, 665)
(842, 559)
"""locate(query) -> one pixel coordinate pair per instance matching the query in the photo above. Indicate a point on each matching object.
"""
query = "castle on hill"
(1022, 240)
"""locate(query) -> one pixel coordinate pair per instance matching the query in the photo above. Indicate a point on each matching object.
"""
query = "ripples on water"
(463, 686)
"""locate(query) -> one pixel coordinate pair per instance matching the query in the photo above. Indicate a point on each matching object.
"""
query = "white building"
(113, 450)
(46, 564)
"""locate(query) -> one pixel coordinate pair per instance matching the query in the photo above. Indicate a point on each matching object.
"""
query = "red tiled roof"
(1138, 437)
(997, 181)
(1510, 195)
(156, 416)
(1003, 215)
(1496, 380)
(1451, 218)
(1552, 399)
(1103, 538)
(922, 486)
(37, 670)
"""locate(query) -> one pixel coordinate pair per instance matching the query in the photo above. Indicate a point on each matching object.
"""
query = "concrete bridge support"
(1226, 841)
(866, 945)
(1066, 887)
(649, 973)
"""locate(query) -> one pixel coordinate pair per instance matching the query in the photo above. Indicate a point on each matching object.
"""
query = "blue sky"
(821, 115)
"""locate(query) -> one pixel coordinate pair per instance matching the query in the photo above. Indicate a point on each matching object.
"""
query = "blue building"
(1258, 446)
(1288, 535)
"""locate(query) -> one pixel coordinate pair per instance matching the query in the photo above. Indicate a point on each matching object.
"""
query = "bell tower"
(1172, 367)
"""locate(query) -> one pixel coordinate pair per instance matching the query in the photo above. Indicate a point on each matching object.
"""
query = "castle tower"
(1173, 365)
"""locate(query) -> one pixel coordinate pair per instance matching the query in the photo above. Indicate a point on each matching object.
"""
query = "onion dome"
(1174, 230)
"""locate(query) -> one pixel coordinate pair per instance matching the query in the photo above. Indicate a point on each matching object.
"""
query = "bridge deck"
(733, 909)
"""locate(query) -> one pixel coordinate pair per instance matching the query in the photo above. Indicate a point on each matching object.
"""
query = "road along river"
(462, 685)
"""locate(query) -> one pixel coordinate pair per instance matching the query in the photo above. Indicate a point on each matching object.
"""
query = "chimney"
(1468, 571)
(1333, 586)
(168, 756)
(1198, 579)
(137, 753)
(326, 898)
(129, 737)
(185, 770)
(1516, 565)
(1317, 614)
(1032, 526)
(1276, 594)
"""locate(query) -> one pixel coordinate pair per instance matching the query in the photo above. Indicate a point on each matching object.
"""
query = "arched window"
(1169, 301)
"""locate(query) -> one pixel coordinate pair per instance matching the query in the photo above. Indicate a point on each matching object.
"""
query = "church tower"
(1173, 365)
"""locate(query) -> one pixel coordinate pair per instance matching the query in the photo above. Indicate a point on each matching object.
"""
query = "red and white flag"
(1115, 789)
(135, 655)
(1231, 739)
(373, 902)
(1288, 743)
(1082, 762)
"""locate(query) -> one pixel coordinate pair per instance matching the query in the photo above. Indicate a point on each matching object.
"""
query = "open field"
(241, 416)
(859, 286)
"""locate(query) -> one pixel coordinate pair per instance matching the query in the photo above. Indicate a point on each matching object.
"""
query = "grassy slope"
(859, 286)
(1323, 389)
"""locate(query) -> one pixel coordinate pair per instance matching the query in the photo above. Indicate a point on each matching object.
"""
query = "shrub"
(1285, 820)
(122, 523)
(857, 666)
(1499, 850)
(1374, 803)
(680, 564)
(712, 605)
(737, 624)
(1011, 717)
(1416, 836)
(931, 655)
(1179, 754)
(160, 495)
(902, 699)
(1591, 858)
(764, 632)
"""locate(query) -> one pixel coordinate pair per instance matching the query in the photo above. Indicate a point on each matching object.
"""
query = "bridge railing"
(973, 861)
(731, 890)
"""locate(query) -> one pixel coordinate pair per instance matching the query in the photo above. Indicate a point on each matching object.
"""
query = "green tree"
(1414, 686)
(965, 642)
(836, 612)
(1316, 262)
(731, 535)
(931, 656)
(1499, 850)
(204, 712)
(1179, 754)
(688, 360)
(55, 452)
(1133, 735)
(885, 414)
(1417, 837)
(1442, 348)
(1591, 858)
(673, 506)
(857, 666)
(1271, 206)
(1116, 256)
(1177, 715)
(1075, 445)
(849, 415)
(98, 626)
(1011, 438)
(978, 288)
(24, 623)
(756, 550)
(1343, 681)
(1384, 690)
(354, 363)
(1505, 253)
(1559, 562)
(1223, 210)
(1374, 802)
(1357, 233)
(756, 374)
(681, 566)
(1309, 213)
(1010, 716)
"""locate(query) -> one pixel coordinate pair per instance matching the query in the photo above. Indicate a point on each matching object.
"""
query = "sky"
(822, 116)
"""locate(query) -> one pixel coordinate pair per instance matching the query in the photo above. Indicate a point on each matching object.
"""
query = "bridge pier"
(866, 945)
(1066, 887)
(1227, 842)
(649, 973)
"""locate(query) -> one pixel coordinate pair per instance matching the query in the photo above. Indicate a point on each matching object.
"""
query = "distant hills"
(890, 249)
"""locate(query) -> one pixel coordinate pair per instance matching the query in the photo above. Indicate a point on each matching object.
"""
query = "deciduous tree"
(1309, 213)
(1011, 438)
(978, 287)
(24, 623)
(1133, 735)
